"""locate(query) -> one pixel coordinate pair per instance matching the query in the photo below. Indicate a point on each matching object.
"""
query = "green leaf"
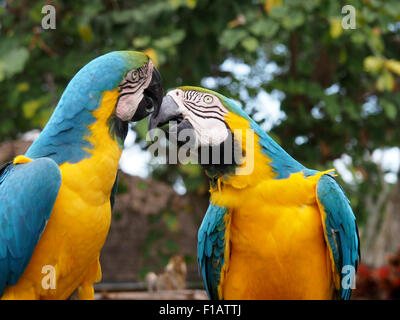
(170, 41)
(393, 65)
(250, 44)
(175, 3)
(389, 109)
(385, 81)
(85, 31)
(352, 109)
(13, 61)
(30, 108)
(310, 5)
(278, 12)
(23, 86)
(35, 14)
(358, 37)
(2, 74)
(141, 42)
(368, 14)
(264, 27)
(335, 27)
(231, 37)
(373, 64)
(332, 107)
(293, 20)
(177, 36)
(375, 42)
(392, 7)
(191, 3)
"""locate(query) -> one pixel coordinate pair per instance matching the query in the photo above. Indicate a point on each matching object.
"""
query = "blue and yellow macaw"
(274, 229)
(55, 201)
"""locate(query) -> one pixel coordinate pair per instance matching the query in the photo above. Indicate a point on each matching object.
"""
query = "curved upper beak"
(152, 99)
(169, 110)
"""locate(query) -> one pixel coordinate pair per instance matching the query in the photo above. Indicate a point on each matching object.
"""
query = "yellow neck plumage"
(254, 165)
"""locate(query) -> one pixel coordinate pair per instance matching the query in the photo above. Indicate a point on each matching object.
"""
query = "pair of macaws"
(278, 231)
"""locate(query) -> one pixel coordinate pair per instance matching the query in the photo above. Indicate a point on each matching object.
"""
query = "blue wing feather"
(211, 248)
(27, 195)
(340, 227)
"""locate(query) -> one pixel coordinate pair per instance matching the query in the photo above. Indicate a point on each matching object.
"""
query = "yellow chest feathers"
(94, 177)
(295, 190)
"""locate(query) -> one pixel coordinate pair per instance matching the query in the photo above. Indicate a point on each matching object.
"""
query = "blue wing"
(340, 230)
(27, 195)
(212, 241)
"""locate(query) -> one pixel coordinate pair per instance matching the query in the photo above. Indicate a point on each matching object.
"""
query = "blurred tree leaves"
(12, 61)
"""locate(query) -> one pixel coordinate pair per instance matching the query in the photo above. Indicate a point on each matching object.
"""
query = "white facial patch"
(205, 112)
(131, 91)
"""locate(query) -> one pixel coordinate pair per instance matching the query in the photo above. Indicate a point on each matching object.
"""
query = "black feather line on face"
(205, 107)
(127, 93)
(123, 94)
(195, 110)
(136, 84)
(201, 115)
(127, 86)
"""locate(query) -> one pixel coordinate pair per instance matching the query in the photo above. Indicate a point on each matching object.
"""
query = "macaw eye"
(208, 99)
(134, 75)
(150, 108)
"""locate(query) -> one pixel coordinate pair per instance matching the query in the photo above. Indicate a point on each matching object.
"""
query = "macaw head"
(132, 73)
(140, 89)
(129, 76)
(216, 121)
(111, 90)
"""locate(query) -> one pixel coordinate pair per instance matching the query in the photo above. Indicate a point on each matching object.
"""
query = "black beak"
(152, 99)
(169, 110)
